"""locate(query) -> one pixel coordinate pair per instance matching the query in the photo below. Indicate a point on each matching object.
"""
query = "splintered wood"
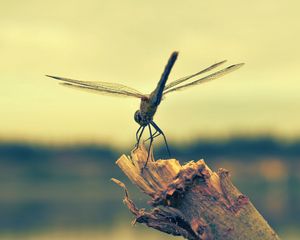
(191, 200)
(155, 177)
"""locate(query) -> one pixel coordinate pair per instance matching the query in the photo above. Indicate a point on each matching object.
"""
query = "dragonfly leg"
(156, 134)
(139, 135)
(137, 138)
(150, 145)
(162, 133)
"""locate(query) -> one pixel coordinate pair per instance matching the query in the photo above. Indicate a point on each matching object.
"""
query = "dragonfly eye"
(137, 117)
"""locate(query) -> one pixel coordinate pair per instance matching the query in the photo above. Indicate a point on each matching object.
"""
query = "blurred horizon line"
(184, 142)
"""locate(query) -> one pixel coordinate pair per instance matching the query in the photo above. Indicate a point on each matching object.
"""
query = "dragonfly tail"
(156, 95)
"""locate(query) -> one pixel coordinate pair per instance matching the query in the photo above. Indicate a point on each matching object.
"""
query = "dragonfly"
(150, 102)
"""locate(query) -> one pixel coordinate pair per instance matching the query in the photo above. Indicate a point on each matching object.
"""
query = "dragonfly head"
(139, 119)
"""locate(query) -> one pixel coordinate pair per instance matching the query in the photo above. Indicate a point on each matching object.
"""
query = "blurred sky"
(129, 42)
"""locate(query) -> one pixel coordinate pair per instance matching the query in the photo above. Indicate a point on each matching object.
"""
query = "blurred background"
(58, 146)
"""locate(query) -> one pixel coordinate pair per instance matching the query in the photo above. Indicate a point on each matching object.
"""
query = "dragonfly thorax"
(140, 119)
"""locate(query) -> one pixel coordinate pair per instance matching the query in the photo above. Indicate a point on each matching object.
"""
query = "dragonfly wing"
(100, 87)
(207, 78)
(93, 90)
(183, 79)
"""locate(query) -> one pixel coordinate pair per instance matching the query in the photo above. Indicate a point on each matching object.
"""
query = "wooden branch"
(191, 200)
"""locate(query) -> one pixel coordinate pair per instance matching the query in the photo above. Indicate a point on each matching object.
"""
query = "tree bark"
(191, 200)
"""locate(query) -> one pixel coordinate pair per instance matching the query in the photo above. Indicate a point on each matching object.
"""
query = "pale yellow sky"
(129, 42)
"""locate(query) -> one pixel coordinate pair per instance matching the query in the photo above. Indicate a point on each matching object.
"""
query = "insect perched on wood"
(149, 102)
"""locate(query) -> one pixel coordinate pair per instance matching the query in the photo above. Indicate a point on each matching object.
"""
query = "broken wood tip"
(191, 200)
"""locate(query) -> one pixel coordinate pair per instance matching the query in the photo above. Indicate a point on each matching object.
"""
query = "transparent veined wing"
(183, 79)
(94, 90)
(100, 87)
(207, 78)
